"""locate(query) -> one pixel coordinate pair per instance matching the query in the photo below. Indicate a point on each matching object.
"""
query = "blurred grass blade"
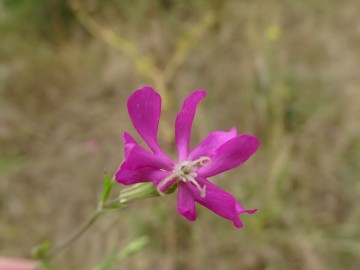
(107, 263)
(134, 246)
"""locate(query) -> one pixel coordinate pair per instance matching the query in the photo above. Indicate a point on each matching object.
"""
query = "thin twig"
(76, 235)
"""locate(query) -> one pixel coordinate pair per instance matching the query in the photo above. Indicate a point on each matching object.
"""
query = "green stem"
(136, 192)
(75, 235)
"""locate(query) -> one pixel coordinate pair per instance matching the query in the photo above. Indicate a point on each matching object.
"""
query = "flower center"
(186, 172)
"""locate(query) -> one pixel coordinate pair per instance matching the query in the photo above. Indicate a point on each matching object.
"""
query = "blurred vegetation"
(285, 71)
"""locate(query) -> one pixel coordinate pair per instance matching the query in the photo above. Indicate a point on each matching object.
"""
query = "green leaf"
(108, 183)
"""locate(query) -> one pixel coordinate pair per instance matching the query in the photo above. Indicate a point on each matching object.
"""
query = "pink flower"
(218, 152)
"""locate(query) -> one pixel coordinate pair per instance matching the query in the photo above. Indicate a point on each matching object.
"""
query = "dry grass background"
(286, 71)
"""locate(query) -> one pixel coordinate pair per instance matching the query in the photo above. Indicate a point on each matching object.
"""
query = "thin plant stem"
(93, 218)
(132, 193)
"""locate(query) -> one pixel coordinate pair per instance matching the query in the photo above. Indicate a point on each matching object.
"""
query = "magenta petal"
(240, 209)
(231, 154)
(129, 142)
(213, 141)
(138, 157)
(186, 202)
(144, 107)
(129, 177)
(184, 122)
(219, 201)
(127, 138)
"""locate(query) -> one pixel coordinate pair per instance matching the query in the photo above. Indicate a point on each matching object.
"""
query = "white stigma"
(186, 172)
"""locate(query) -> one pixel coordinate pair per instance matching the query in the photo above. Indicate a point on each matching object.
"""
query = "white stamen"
(193, 174)
(200, 162)
(163, 182)
(203, 192)
(185, 172)
(197, 185)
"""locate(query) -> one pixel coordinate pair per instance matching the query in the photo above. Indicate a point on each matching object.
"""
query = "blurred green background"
(285, 71)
